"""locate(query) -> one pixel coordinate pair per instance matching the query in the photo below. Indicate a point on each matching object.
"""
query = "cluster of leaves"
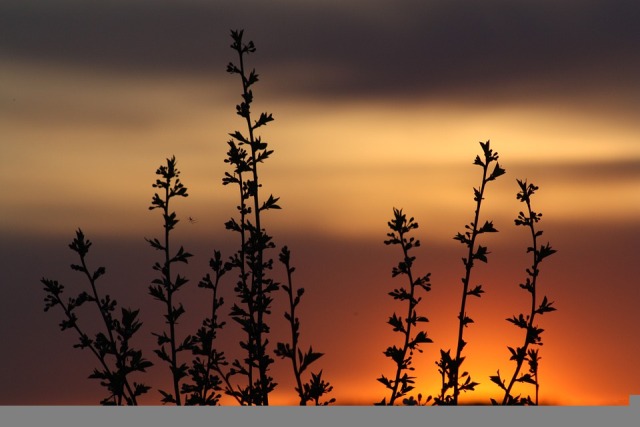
(206, 371)
(117, 358)
(402, 383)
(526, 322)
(314, 389)
(449, 367)
(164, 287)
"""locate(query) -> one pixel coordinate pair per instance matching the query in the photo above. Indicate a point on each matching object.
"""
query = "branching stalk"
(532, 332)
(115, 343)
(402, 383)
(448, 365)
(254, 287)
(164, 288)
(313, 390)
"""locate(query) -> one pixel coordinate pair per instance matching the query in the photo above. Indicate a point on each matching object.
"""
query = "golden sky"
(374, 109)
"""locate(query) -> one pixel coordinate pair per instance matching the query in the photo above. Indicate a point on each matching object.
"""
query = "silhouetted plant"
(206, 370)
(253, 288)
(448, 367)
(402, 383)
(164, 287)
(210, 373)
(532, 332)
(112, 349)
(313, 390)
(411, 401)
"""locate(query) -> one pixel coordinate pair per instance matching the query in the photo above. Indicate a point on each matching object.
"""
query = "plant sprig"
(254, 287)
(449, 367)
(118, 360)
(313, 390)
(206, 371)
(526, 322)
(164, 287)
(402, 383)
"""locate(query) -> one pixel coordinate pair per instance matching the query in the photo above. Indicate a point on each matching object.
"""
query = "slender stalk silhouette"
(164, 288)
(402, 383)
(112, 349)
(206, 372)
(254, 287)
(313, 390)
(449, 367)
(532, 332)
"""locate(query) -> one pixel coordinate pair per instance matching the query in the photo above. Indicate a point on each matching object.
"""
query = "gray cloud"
(409, 47)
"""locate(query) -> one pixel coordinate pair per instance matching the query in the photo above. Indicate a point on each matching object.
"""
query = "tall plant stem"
(108, 322)
(525, 346)
(172, 329)
(402, 383)
(532, 332)
(294, 333)
(451, 365)
(257, 275)
(465, 289)
(256, 296)
(410, 313)
(164, 288)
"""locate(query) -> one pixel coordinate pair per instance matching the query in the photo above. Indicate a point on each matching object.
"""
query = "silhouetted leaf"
(519, 321)
(77, 267)
(488, 228)
(167, 397)
(384, 380)
(481, 254)
(400, 294)
(396, 322)
(476, 291)
(545, 306)
(421, 338)
(264, 117)
(545, 251)
(497, 171)
(462, 238)
(253, 78)
(526, 378)
(310, 357)
(99, 272)
(498, 380)
(270, 203)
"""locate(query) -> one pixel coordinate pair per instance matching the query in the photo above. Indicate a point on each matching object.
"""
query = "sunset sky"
(377, 104)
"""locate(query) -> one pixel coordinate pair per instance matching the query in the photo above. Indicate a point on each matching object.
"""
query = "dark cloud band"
(404, 48)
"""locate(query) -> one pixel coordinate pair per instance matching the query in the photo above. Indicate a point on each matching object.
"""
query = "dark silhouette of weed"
(248, 379)
(402, 383)
(253, 288)
(164, 287)
(118, 360)
(532, 332)
(206, 371)
(209, 373)
(313, 390)
(449, 367)
(412, 401)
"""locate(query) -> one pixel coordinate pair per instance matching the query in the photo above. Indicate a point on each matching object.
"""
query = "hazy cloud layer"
(400, 48)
